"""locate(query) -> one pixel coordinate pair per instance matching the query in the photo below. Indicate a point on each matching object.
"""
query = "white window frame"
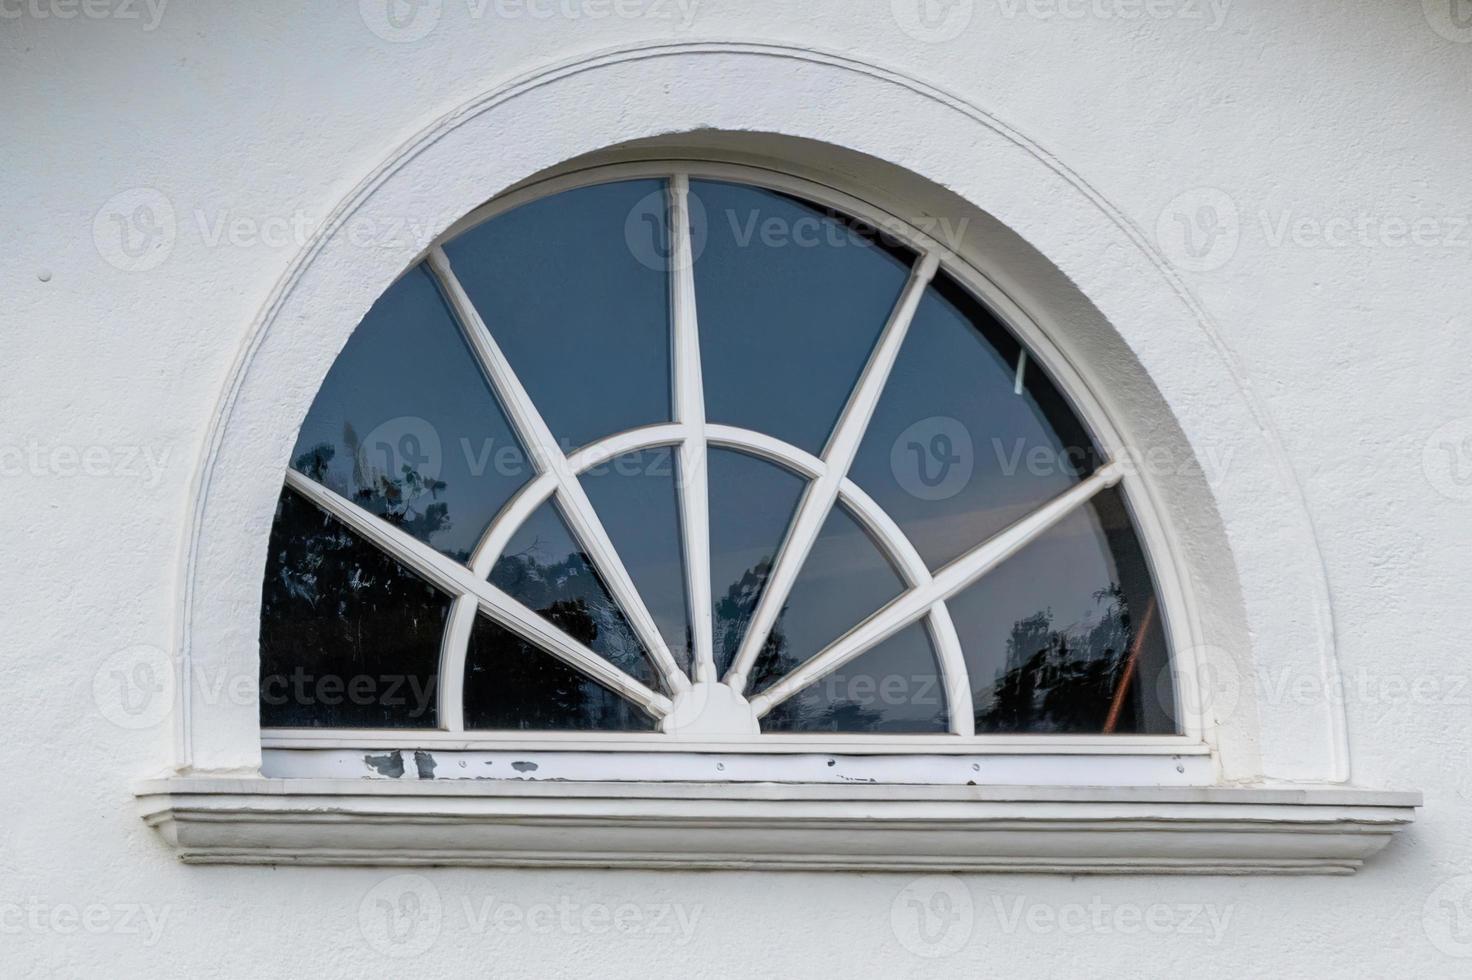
(1067, 759)
(1080, 262)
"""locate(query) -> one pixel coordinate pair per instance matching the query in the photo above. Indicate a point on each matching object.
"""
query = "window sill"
(1059, 830)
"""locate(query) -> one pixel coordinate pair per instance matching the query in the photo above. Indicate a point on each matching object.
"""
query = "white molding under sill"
(1059, 830)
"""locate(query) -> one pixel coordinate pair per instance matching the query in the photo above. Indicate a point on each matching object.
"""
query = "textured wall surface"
(1326, 140)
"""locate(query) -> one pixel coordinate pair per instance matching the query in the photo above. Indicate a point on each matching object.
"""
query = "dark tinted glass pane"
(635, 498)
(1049, 634)
(844, 580)
(574, 288)
(893, 688)
(955, 453)
(791, 302)
(510, 684)
(751, 504)
(406, 426)
(544, 568)
(349, 637)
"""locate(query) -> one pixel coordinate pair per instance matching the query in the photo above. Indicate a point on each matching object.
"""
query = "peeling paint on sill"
(390, 764)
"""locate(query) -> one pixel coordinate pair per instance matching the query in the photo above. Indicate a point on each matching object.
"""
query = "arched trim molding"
(1241, 537)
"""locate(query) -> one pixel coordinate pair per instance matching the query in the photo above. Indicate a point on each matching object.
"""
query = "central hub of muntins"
(708, 710)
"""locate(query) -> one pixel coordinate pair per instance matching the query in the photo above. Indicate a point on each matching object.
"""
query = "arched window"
(678, 512)
(699, 454)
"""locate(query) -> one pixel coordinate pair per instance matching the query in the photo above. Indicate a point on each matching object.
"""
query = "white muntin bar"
(526, 501)
(454, 646)
(911, 605)
(548, 458)
(900, 550)
(455, 579)
(689, 405)
(961, 715)
(820, 495)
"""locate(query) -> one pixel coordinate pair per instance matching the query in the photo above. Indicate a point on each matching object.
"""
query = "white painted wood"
(1169, 746)
(911, 605)
(770, 448)
(454, 645)
(216, 738)
(960, 711)
(548, 457)
(535, 493)
(710, 711)
(916, 574)
(689, 403)
(1163, 549)
(633, 440)
(455, 579)
(513, 515)
(691, 434)
(886, 533)
(915, 768)
(773, 826)
(819, 496)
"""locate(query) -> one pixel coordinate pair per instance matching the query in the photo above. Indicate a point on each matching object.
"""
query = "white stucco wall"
(1305, 120)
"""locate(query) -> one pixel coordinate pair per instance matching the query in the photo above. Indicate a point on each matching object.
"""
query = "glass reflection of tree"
(1061, 679)
(542, 692)
(409, 500)
(809, 709)
(734, 610)
(513, 685)
(546, 693)
(333, 605)
(570, 593)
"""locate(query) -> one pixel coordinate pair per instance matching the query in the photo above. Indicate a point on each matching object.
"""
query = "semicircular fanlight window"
(641, 447)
